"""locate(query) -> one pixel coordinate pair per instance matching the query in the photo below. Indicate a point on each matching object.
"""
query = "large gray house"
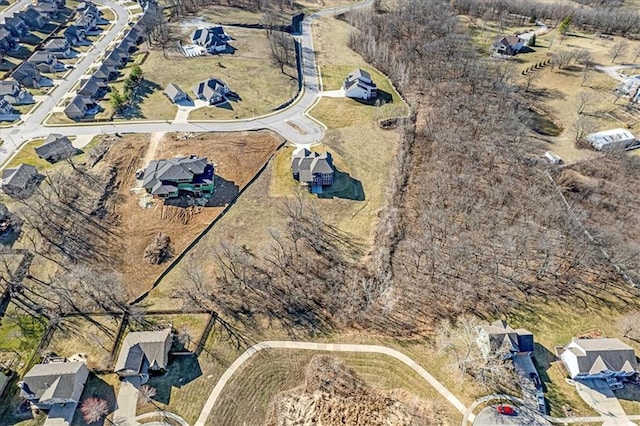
(54, 383)
(56, 148)
(20, 182)
(312, 169)
(166, 178)
(144, 352)
(599, 359)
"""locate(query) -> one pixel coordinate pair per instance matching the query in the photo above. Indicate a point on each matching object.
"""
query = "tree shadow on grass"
(97, 388)
(344, 186)
(542, 359)
(146, 89)
(183, 369)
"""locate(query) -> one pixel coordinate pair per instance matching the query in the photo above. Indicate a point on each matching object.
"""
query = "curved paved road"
(330, 347)
(304, 131)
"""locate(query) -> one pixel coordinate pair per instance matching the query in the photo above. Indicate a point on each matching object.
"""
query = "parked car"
(536, 380)
(506, 410)
(542, 405)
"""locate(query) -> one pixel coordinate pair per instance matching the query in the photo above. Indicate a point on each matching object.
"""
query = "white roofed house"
(358, 84)
(599, 359)
(611, 139)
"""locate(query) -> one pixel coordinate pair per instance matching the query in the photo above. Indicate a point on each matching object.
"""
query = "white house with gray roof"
(359, 85)
(143, 352)
(54, 383)
(175, 93)
(599, 359)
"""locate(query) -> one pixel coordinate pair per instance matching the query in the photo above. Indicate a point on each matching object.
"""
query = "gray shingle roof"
(56, 147)
(40, 56)
(19, 177)
(9, 87)
(306, 164)
(174, 92)
(160, 174)
(55, 44)
(595, 355)
(139, 347)
(56, 380)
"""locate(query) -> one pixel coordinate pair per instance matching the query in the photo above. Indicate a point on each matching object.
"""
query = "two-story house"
(168, 178)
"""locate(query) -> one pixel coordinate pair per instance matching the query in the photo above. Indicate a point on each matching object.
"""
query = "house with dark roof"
(8, 42)
(58, 47)
(20, 182)
(499, 338)
(48, 10)
(75, 35)
(80, 107)
(88, 8)
(60, 4)
(55, 383)
(34, 19)
(599, 359)
(359, 85)
(312, 169)
(5, 107)
(9, 224)
(87, 22)
(16, 26)
(106, 72)
(212, 90)
(175, 93)
(168, 178)
(28, 75)
(56, 148)
(144, 352)
(13, 93)
(46, 62)
(93, 87)
(507, 45)
(118, 57)
(214, 39)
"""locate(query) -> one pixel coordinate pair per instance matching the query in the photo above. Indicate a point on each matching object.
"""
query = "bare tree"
(618, 49)
(94, 409)
(584, 100)
(562, 59)
(582, 127)
(629, 325)
(146, 394)
(636, 52)
(282, 50)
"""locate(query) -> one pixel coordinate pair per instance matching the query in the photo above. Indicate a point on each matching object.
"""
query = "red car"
(507, 410)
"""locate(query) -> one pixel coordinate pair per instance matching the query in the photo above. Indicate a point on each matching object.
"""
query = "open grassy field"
(248, 71)
(270, 372)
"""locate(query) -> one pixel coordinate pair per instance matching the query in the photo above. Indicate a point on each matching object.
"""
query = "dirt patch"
(237, 158)
(333, 394)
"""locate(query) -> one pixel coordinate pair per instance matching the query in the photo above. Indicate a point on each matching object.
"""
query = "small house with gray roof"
(45, 62)
(34, 19)
(168, 178)
(312, 169)
(212, 90)
(58, 47)
(56, 148)
(54, 383)
(13, 93)
(175, 93)
(80, 106)
(599, 359)
(93, 87)
(16, 25)
(28, 75)
(75, 35)
(359, 85)
(507, 45)
(144, 352)
(499, 338)
(8, 42)
(106, 72)
(20, 182)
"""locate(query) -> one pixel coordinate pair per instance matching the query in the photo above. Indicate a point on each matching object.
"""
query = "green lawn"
(27, 155)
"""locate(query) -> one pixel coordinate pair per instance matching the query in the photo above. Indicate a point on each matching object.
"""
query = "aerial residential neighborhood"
(320, 212)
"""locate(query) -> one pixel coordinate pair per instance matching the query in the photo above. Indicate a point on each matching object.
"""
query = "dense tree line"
(607, 19)
(473, 226)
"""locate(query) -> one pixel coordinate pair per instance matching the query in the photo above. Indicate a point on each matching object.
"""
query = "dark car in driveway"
(536, 380)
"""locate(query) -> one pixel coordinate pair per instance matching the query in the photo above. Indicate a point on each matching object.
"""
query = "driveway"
(127, 401)
(597, 394)
(490, 417)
